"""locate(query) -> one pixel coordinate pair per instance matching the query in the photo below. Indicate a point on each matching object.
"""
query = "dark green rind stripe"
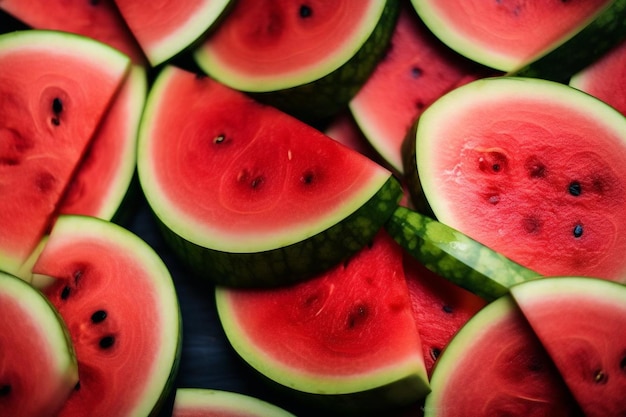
(455, 256)
(587, 46)
(295, 262)
(331, 93)
(411, 174)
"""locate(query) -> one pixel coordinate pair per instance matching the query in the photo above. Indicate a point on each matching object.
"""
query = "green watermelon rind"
(324, 94)
(397, 385)
(214, 400)
(57, 335)
(455, 256)
(293, 262)
(585, 47)
(69, 228)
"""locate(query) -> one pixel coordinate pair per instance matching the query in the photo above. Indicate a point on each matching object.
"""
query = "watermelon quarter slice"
(532, 169)
(248, 195)
(38, 368)
(306, 58)
(345, 339)
(516, 36)
(581, 322)
(54, 89)
(119, 303)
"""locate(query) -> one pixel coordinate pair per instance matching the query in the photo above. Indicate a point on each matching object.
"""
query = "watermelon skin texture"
(227, 235)
(581, 322)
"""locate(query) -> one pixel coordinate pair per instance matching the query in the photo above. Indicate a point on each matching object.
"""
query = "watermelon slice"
(248, 195)
(120, 306)
(340, 337)
(306, 58)
(495, 366)
(606, 78)
(582, 324)
(98, 19)
(199, 402)
(103, 185)
(530, 168)
(165, 28)
(416, 70)
(50, 116)
(37, 364)
(512, 35)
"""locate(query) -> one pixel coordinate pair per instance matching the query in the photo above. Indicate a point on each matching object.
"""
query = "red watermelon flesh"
(440, 308)
(348, 330)
(106, 171)
(606, 78)
(99, 20)
(416, 70)
(581, 322)
(119, 304)
(49, 117)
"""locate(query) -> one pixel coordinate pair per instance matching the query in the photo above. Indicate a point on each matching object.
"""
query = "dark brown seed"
(98, 316)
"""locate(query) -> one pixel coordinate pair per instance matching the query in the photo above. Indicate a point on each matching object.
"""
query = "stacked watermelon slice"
(453, 247)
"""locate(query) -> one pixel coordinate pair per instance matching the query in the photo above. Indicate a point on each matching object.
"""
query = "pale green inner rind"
(407, 372)
(332, 60)
(51, 328)
(187, 32)
(73, 229)
(469, 98)
(212, 400)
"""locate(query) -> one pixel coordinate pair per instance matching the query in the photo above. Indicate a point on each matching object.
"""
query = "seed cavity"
(532, 224)
(535, 168)
(600, 377)
(416, 72)
(107, 342)
(578, 230)
(358, 315)
(307, 177)
(305, 11)
(447, 308)
(221, 138)
(574, 188)
(5, 390)
(493, 162)
(98, 316)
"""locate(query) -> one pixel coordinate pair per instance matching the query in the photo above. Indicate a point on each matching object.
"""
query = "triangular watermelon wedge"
(581, 322)
(54, 89)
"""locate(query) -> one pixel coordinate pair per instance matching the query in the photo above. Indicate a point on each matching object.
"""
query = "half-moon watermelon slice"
(248, 195)
(495, 366)
(119, 303)
(581, 322)
(306, 58)
(202, 402)
(345, 338)
(510, 35)
(38, 368)
(532, 169)
(165, 28)
(54, 89)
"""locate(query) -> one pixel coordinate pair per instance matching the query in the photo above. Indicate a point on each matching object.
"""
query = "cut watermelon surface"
(120, 306)
(531, 169)
(581, 322)
(49, 119)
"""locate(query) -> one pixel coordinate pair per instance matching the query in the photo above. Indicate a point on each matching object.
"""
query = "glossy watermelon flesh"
(37, 366)
(99, 20)
(440, 308)
(165, 28)
(104, 178)
(495, 366)
(532, 169)
(348, 330)
(606, 78)
(415, 71)
(581, 322)
(506, 34)
(119, 304)
(269, 176)
(53, 98)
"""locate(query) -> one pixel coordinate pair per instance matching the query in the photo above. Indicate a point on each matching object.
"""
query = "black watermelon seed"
(98, 316)
(107, 342)
(622, 364)
(77, 386)
(448, 309)
(65, 292)
(416, 72)
(5, 390)
(578, 230)
(434, 353)
(307, 177)
(57, 105)
(305, 11)
(575, 188)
